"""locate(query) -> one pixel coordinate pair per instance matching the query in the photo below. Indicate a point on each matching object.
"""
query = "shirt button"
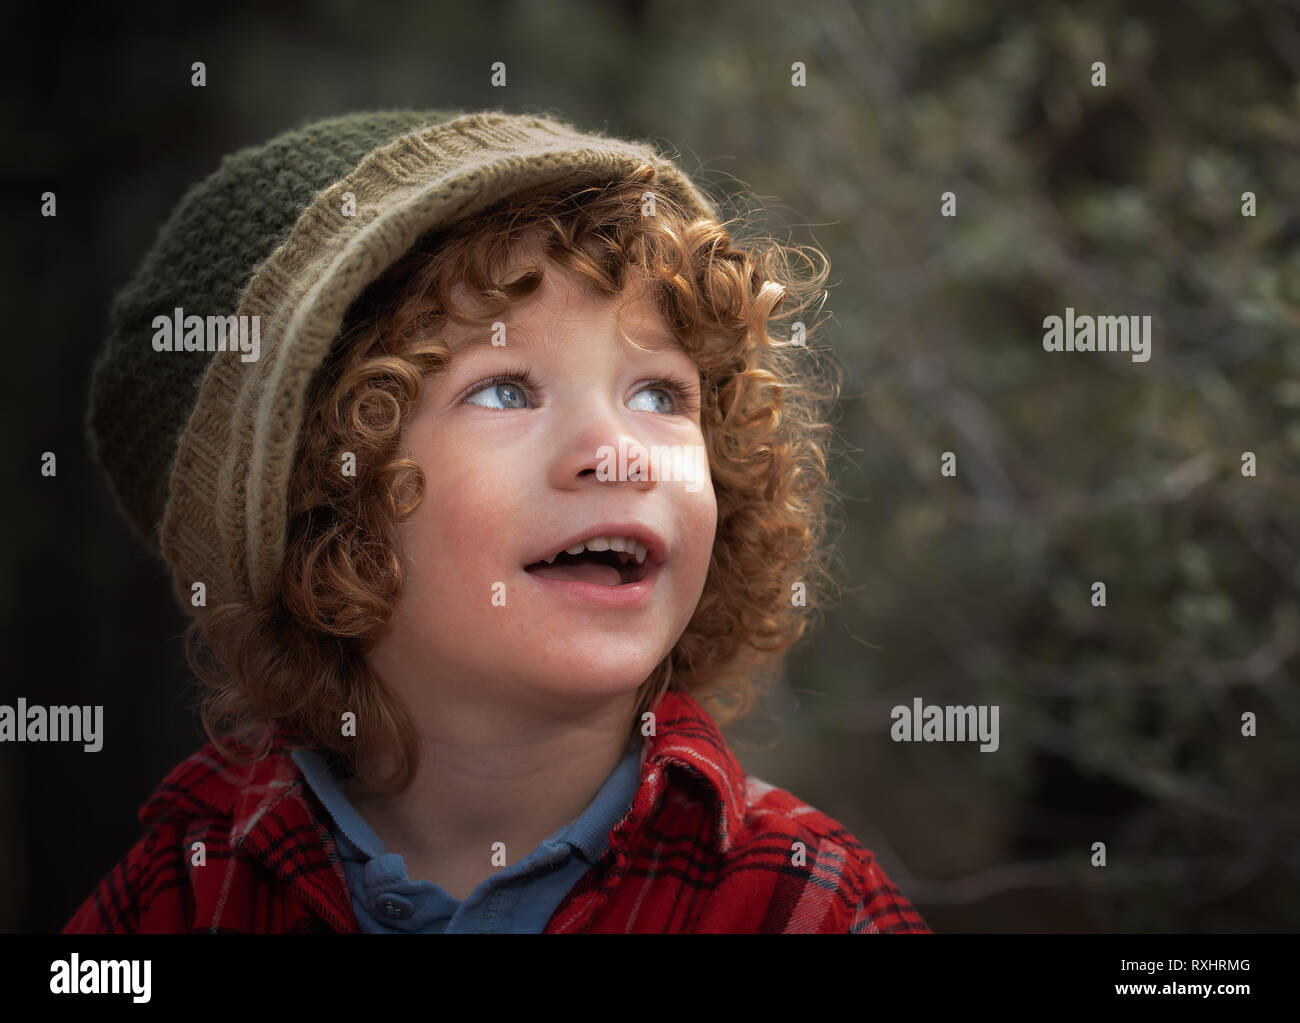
(395, 906)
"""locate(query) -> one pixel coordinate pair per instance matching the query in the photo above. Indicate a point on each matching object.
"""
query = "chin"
(609, 676)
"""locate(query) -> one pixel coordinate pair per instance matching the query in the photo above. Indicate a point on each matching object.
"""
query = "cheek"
(444, 540)
(701, 525)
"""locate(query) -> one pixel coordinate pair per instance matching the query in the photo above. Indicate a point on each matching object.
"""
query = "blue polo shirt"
(517, 899)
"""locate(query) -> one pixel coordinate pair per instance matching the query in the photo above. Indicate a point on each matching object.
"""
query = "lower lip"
(629, 595)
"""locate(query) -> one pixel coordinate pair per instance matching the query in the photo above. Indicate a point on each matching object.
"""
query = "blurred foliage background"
(1119, 724)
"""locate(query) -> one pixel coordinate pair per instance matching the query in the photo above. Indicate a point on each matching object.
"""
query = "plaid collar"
(276, 818)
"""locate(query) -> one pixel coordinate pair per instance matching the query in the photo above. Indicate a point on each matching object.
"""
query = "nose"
(600, 444)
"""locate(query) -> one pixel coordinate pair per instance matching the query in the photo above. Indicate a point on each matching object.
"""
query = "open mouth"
(603, 568)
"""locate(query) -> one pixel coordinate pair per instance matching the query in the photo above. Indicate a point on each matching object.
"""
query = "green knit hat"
(198, 445)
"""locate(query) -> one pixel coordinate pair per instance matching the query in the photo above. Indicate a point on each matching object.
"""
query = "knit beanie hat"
(198, 445)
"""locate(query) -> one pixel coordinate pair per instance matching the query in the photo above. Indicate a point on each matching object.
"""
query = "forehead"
(562, 303)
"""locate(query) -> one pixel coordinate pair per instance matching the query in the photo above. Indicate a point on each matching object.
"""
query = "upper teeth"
(606, 543)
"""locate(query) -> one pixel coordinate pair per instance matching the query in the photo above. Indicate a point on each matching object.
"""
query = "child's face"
(513, 471)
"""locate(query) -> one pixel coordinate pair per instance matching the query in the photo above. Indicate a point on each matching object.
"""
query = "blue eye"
(670, 389)
(506, 390)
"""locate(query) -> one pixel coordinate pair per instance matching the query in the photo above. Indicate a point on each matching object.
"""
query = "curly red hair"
(297, 664)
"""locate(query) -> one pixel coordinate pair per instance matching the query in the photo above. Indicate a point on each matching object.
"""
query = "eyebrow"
(462, 343)
(656, 339)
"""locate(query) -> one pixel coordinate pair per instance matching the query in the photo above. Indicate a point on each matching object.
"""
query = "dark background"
(1118, 724)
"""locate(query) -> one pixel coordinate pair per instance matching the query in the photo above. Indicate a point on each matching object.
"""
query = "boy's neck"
(468, 795)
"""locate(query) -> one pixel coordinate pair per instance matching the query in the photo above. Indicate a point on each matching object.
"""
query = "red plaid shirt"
(704, 848)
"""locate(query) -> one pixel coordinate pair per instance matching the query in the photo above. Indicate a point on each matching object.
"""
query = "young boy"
(485, 473)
